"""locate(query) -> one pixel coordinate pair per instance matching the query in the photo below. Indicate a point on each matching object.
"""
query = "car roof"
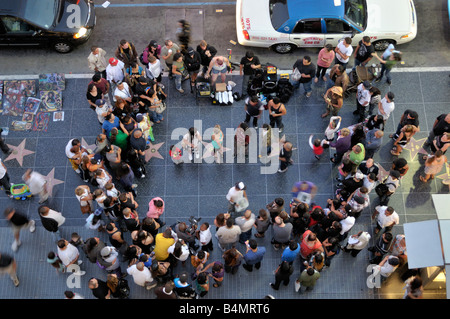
(11, 7)
(304, 9)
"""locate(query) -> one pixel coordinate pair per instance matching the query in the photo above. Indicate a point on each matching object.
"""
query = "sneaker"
(143, 175)
(282, 170)
(32, 226)
(273, 286)
(16, 282)
(197, 155)
(134, 186)
(78, 171)
(15, 245)
(308, 94)
(180, 90)
(377, 80)
(79, 262)
(190, 156)
(389, 82)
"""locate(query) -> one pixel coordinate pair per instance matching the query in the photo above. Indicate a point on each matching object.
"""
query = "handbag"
(296, 75)
(242, 205)
(161, 107)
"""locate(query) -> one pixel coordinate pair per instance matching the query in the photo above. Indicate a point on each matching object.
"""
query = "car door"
(335, 30)
(19, 32)
(308, 33)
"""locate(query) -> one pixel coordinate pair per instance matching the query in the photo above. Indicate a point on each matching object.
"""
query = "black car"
(61, 24)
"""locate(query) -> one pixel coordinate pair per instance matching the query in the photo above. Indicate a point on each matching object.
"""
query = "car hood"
(388, 15)
(255, 15)
(67, 19)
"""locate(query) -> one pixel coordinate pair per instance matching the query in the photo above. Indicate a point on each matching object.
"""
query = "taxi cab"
(285, 25)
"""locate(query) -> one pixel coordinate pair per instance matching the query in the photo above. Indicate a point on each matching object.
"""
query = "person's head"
(387, 236)
(390, 96)
(413, 114)
(393, 261)
(203, 44)
(204, 226)
(69, 294)
(396, 56)
(178, 57)
(372, 177)
(229, 222)
(249, 55)
(379, 133)
(140, 266)
(416, 283)
(366, 40)
(110, 227)
(201, 254)
(317, 142)
(306, 60)
(96, 77)
(253, 244)
(310, 271)
(278, 220)
(409, 128)
(62, 243)
(248, 214)
(389, 210)
(168, 43)
(312, 236)
(318, 257)
(254, 99)
(328, 47)
(93, 283)
(95, 49)
(347, 41)
(293, 245)
(126, 212)
(92, 89)
(345, 132)
(158, 203)
(357, 149)
(43, 210)
(184, 276)
(438, 154)
(167, 233)
(240, 186)
(394, 174)
(124, 44)
(400, 162)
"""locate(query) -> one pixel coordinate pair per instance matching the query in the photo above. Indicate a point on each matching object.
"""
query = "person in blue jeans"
(307, 72)
(253, 256)
(388, 60)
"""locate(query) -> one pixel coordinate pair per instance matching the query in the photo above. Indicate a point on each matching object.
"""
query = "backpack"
(124, 289)
(284, 90)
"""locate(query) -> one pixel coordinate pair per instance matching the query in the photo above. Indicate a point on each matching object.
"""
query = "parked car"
(60, 24)
(285, 25)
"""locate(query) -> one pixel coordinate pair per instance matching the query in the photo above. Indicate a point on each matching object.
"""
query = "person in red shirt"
(317, 146)
(309, 244)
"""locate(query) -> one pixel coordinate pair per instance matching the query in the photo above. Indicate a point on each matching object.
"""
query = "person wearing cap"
(97, 61)
(388, 60)
(235, 197)
(115, 72)
(126, 52)
(102, 110)
(249, 63)
(387, 218)
(386, 106)
(334, 100)
(218, 65)
(192, 61)
(152, 49)
(109, 260)
(167, 53)
(362, 100)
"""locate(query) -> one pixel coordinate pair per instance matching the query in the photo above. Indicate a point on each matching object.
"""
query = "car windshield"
(278, 13)
(41, 12)
(356, 12)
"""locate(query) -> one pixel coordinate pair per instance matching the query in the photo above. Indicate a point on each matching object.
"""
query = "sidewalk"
(199, 189)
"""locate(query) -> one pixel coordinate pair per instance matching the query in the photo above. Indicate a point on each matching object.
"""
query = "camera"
(193, 224)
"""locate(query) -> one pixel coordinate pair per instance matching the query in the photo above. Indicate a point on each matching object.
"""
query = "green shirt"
(121, 140)
(357, 158)
(307, 280)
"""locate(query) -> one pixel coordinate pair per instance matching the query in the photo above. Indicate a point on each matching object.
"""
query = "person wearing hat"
(334, 100)
(237, 198)
(249, 63)
(192, 61)
(362, 100)
(152, 49)
(114, 72)
(386, 106)
(102, 110)
(97, 61)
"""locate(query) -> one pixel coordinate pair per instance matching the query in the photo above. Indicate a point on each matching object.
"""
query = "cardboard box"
(221, 87)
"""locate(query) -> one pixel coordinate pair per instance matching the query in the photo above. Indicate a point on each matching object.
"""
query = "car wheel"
(382, 45)
(283, 48)
(62, 47)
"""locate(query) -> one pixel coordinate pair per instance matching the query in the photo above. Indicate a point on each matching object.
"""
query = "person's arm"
(241, 68)
(310, 141)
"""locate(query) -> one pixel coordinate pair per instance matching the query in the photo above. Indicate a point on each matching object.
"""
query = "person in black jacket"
(193, 62)
(207, 52)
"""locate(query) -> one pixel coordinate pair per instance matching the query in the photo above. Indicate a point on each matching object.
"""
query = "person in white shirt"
(141, 275)
(362, 100)
(69, 254)
(37, 184)
(386, 105)
(236, 197)
(115, 72)
(387, 218)
(387, 266)
(192, 143)
(246, 223)
(333, 127)
(4, 179)
(123, 91)
(205, 237)
(357, 242)
(343, 51)
(154, 69)
(102, 110)
(179, 250)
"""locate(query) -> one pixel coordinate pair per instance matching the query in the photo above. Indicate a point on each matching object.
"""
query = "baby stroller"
(20, 191)
(359, 75)
(202, 89)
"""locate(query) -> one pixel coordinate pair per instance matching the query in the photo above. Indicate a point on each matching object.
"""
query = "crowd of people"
(128, 98)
